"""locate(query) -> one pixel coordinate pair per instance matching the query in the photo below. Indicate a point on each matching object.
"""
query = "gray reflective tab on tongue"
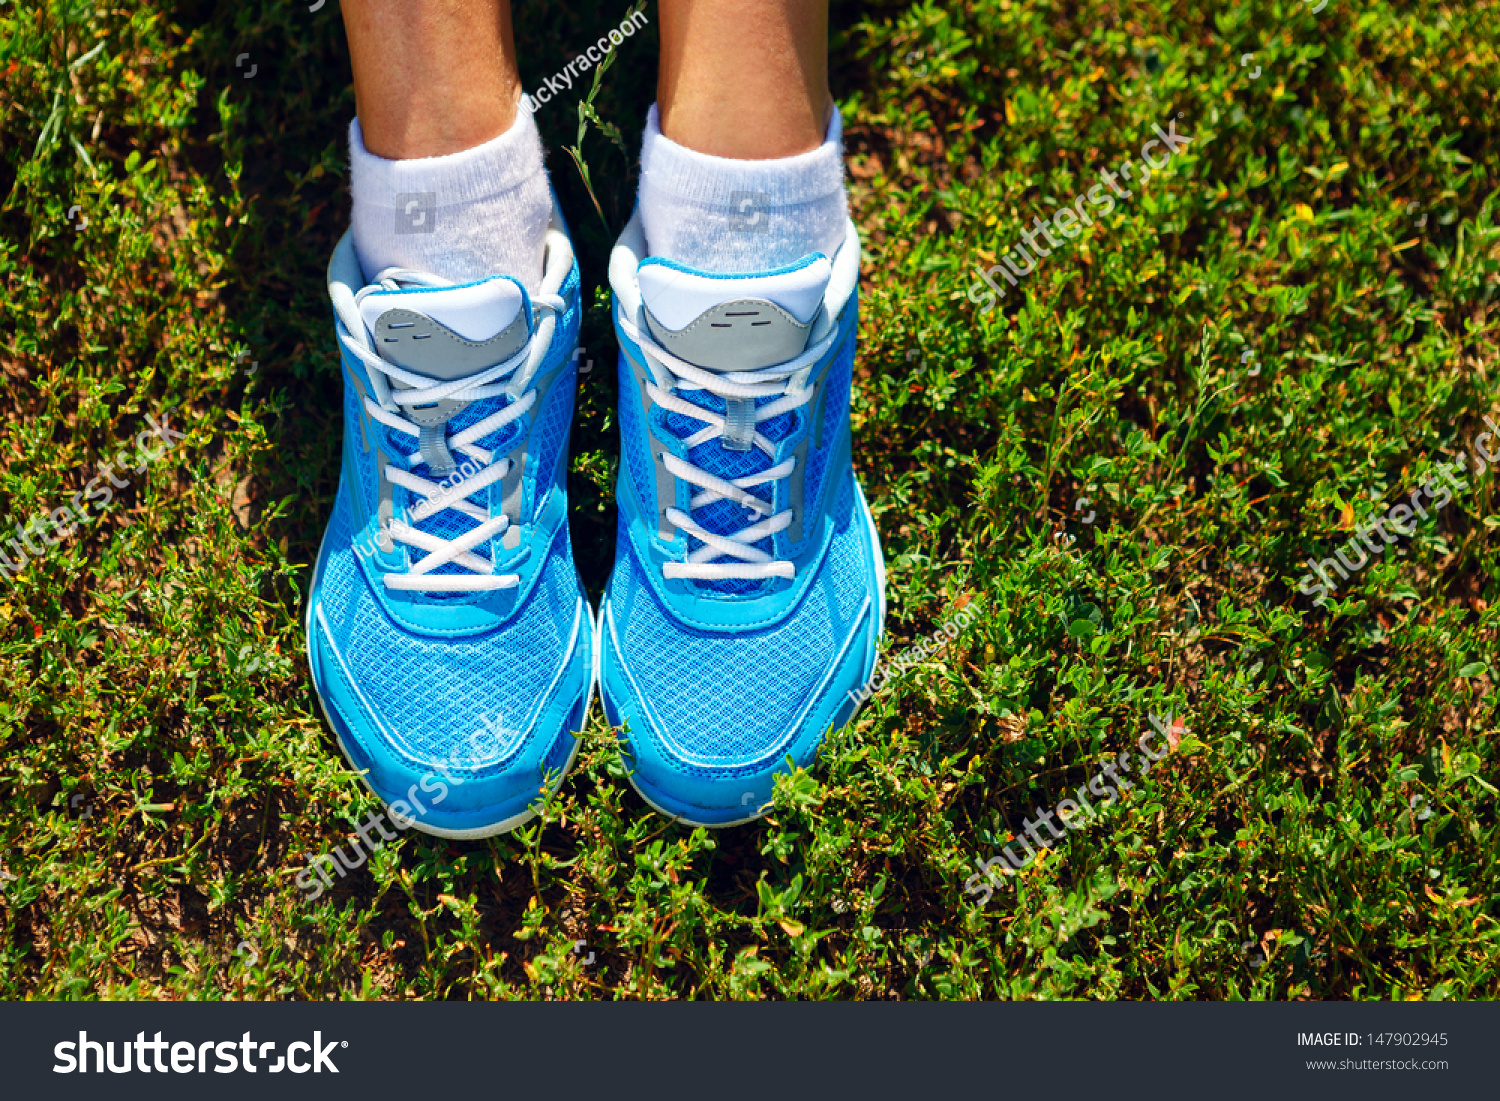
(742, 335)
(418, 343)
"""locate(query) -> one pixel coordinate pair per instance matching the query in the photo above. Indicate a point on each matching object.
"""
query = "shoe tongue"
(733, 322)
(447, 333)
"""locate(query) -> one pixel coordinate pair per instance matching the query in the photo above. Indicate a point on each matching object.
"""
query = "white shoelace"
(752, 562)
(488, 383)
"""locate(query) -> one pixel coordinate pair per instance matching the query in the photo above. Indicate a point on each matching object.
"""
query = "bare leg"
(745, 80)
(431, 77)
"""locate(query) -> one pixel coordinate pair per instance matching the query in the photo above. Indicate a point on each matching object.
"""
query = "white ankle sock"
(463, 216)
(723, 215)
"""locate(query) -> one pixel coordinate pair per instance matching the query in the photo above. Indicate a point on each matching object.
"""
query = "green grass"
(164, 771)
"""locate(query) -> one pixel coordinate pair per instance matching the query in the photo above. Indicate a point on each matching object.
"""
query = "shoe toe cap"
(479, 718)
(709, 718)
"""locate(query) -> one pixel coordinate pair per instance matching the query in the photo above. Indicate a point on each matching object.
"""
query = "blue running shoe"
(450, 640)
(747, 596)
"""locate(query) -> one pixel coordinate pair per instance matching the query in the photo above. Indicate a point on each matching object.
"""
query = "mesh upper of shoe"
(835, 410)
(552, 423)
(710, 689)
(368, 486)
(634, 442)
(437, 691)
